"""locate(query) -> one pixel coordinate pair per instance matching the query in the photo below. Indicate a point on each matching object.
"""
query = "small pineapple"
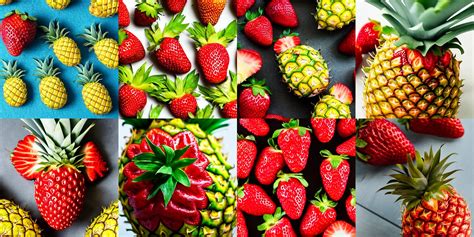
(103, 8)
(96, 97)
(336, 104)
(14, 221)
(14, 89)
(106, 224)
(64, 47)
(5, 2)
(105, 48)
(335, 14)
(58, 4)
(52, 90)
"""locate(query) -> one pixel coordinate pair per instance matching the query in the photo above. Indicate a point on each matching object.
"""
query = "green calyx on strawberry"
(319, 215)
(258, 28)
(17, 30)
(334, 172)
(322, 202)
(146, 12)
(294, 142)
(287, 40)
(224, 95)
(254, 100)
(275, 223)
(291, 192)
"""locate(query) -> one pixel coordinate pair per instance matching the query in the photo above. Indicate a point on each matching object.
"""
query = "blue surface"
(76, 18)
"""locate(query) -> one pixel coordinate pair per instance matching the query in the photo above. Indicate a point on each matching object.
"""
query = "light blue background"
(76, 18)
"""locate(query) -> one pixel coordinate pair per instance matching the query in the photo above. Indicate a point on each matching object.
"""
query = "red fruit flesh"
(442, 127)
(174, 6)
(292, 197)
(280, 229)
(130, 49)
(214, 62)
(141, 19)
(270, 162)
(295, 148)
(93, 162)
(181, 107)
(253, 200)
(253, 105)
(133, 150)
(347, 45)
(256, 126)
(340, 229)
(171, 57)
(242, 230)
(249, 62)
(346, 127)
(246, 154)
(324, 129)
(17, 33)
(317, 219)
(131, 100)
(348, 147)
(123, 15)
(230, 110)
(281, 12)
(26, 159)
(260, 31)
(342, 93)
(286, 43)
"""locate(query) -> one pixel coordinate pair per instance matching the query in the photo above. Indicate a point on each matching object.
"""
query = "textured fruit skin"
(260, 31)
(347, 45)
(17, 33)
(214, 62)
(281, 12)
(131, 100)
(269, 163)
(314, 221)
(107, 52)
(67, 51)
(295, 148)
(106, 224)
(350, 208)
(60, 190)
(131, 50)
(210, 10)
(174, 6)
(346, 127)
(335, 14)
(123, 15)
(242, 230)
(256, 126)
(141, 19)
(368, 37)
(254, 201)
(442, 127)
(58, 4)
(94, 163)
(230, 110)
(281, 228)
(15, 92)
(26, 159)
(348, 147)
(16, 221)
(103, 8)
(253, 106)
(340, 228)
(181, 107)
(242, 6)
(97, 98)
(324, 129)
(246, 154)
(249, 62)
(171, 56)
(330, 107)
(53, 92)
(334, 178)
(292, 197)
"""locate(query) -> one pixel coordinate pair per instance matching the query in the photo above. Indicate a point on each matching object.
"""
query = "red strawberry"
(147, 12)
(123, 15)
(323, 129)
(164, 44)
(281, 12)
(294, 141)
(242, 230)
(277, 225)
(446, 58)
(340, 229)
(93, 162)
(441, 127)
(291, 192)
(174, 6)
(249, 62)
(130, 48)
(253, 200)
(368, 37)
(348, 147)
(277, 118)
(346, 127)
(286, 41)
(26, 159)
(351, 205)
(269, 163)
(246, 154)
(17, 30)
(334, 172)
(133, 150)
(230, 110)
(224, 95)
(347, 45)
(254, 100)
(319, 215)
(131, 100)
(242, 6)
(381, 142)
(258, 28)
(256, 126)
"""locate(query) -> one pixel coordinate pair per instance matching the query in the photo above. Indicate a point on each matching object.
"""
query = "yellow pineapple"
(103, 8)
(5, 2)
(105, 48)
(14, 89)
(52, 90)
(58, 4)
(64, 47)
(96, 97)
(106, 224)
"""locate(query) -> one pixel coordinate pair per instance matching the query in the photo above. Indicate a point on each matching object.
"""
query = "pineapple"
(336, 104)
(414, 74)
(52, 90)
(105, 48)
(432, 206)
(96, 97)
(5, 2)
(58, 4)
(198, 199)
(15, 91)
(106, 224)
(64, 47)
(103, 8)
(14, 221)
(303, 68)
(335, 14)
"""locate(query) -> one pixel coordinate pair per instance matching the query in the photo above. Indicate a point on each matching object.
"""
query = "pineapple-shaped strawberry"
(15, 91)
(103, 8)
(64, 47)
(95, 95)
(106, 49)
(223, 95)
(58, 4)
(52, 90)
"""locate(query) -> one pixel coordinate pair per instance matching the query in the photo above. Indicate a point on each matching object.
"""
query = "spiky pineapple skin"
(106, 224)
(97, 98)
(53, 92)
(304, 70)
(330, 107)
(103, 8)
(15, 92)
(335, 14)
(107, 52)
(220, 217)
(67, 51)
(58, 4)
(14, 221)
(393, 90)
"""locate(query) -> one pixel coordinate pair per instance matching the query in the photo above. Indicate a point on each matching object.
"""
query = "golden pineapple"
(105, 48)
(14, 89)
(52, 90)
(96, 97)
(58, 4)
(5, 2)
(14, 221)
(64, 47)
(335, 14)
(106, 224)
(103, 8)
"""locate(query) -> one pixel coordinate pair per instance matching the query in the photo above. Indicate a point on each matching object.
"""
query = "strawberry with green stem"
(291, 192)
(320, 214)
(131, 49)
(17, 30)
(254, 100)
(258, 28)
(270, 162)
(246, 154)
(277, 225)
(294, 142)
(253, 200)
(223, 95)
(147, 12)
(334, 172)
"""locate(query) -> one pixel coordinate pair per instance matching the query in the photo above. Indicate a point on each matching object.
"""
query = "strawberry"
(242, 230)
(256, 126)
(210, 10)
(164, 44)
(342, 93)
(224, 95)
(348, 147)
(277, 118)
(242, 6)
(368, 37)
(133, 150)
(334, 172)
(441, 127)
(346, 127)
(123, 15)
(381, 142)
(212, 56)
(286, 41)
(291, 192)
(319, 215)
(347, 45)
(249, 62)
(131, 100)
(26, 159)
(294, 141)
(130, 48)
(351, 205)
(17, 30)
(323, 129)
(277, 225)
(254, 100)
(340, 228)
(93, 162)
(281, 12)
(174, 6)
(246, 154)
(147, 12)
(269, 163)
(253, 200)
(258, 28)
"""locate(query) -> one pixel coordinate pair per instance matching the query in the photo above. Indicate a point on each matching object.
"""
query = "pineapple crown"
(258, 87)
(422, 179)
(87, 74)
(24, 16)
(169, 89)
(203, 35)
(151, 8)
(10, 70)
(282, 177)
(53, 32)
(425, 24)
(45, 68)
(271, 220)
(141, 79)
(93, 35)
(335, 160)
(223, 93)
(171, 30)
(322, 202)
(203, 113)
